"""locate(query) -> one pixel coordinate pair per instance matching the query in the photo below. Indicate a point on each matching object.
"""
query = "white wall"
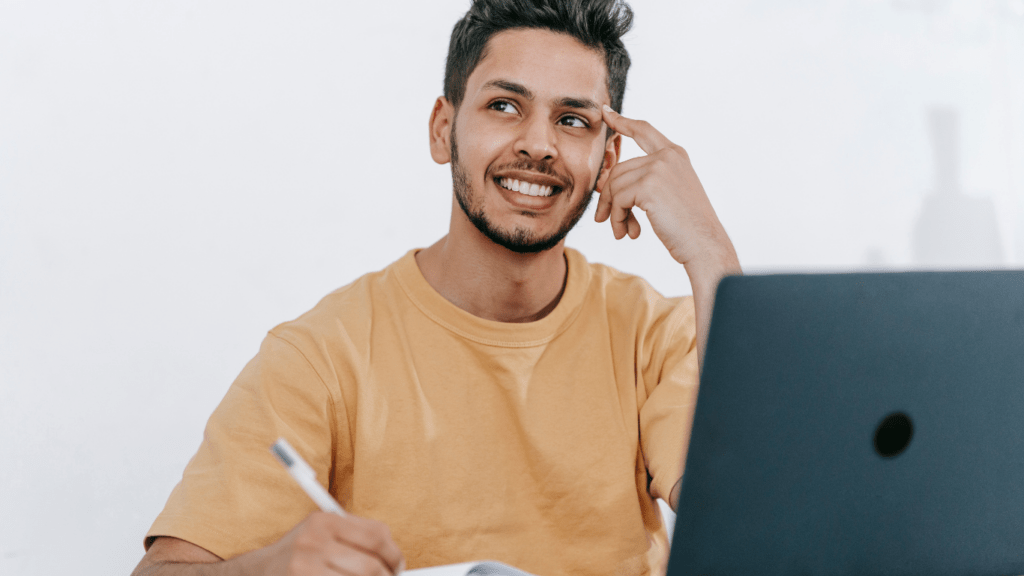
(176, 178)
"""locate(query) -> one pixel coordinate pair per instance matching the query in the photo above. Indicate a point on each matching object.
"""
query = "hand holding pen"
(330, 542)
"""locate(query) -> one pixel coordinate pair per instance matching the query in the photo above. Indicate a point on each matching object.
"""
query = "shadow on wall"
(954, 230)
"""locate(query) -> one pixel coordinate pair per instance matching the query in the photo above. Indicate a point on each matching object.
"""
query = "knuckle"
(385, 531)
(306, 542)
(378, 526)
(375, 539)
(375, 534)
(369, 565)
(298, 566)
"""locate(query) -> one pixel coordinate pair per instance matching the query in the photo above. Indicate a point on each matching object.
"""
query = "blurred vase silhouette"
(954, 230)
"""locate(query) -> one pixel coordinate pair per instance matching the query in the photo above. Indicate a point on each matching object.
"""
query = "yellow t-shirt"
(540, 444)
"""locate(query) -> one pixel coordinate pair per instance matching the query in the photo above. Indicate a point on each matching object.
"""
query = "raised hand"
(664, 185)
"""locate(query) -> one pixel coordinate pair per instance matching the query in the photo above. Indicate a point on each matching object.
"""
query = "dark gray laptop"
(858, 424)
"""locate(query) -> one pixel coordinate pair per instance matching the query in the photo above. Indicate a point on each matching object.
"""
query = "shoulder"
(631, 299)
(345, 315)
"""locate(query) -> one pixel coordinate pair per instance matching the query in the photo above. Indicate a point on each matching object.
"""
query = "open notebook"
(492, 568)
(485, 568)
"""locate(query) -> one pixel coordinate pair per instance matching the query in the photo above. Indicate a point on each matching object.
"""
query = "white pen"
(305, 476)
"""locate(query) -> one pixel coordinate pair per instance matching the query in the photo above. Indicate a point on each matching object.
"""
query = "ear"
(441, 119)
(612, 149)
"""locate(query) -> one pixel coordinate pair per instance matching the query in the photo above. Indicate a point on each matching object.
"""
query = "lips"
(529, 183)
(524, 187)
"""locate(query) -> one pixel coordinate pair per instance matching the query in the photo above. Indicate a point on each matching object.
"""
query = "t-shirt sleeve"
(670, 377)
(234, 496)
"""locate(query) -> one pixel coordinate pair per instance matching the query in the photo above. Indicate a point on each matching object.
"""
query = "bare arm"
(322, 544)
(704, 277)
(168, 555)
(665, 186)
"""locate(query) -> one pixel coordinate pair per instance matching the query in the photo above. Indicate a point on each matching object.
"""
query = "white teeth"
(526, 187)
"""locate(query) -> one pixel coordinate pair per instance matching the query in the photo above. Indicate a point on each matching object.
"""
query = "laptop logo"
(893, 435)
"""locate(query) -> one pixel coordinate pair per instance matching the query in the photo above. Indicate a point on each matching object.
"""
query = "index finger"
(372, 537)
(645, 135)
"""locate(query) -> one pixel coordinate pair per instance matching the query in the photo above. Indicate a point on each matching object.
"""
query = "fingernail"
(608, 108)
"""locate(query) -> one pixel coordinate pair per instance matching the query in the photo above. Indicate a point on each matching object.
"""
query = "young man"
(494, 395)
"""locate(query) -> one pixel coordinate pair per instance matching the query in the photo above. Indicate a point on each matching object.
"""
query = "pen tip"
(282, 453)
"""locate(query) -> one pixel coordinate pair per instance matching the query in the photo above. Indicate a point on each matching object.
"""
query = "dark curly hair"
(598, 24)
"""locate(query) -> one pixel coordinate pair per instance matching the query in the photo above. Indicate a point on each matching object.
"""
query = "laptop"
(858, 424)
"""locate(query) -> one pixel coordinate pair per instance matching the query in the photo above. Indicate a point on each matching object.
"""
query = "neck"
(490, 281)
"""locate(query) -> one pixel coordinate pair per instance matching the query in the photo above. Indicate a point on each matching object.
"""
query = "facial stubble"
(520, 240)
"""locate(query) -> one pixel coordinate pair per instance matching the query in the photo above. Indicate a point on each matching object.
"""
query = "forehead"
(548, 63)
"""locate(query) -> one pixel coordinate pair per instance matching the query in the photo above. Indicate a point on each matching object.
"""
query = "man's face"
(528, 144)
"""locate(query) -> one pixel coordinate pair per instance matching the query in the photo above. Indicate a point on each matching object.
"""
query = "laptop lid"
(858, 424)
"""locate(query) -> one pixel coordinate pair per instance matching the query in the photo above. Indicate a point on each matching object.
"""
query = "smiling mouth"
(527, 188)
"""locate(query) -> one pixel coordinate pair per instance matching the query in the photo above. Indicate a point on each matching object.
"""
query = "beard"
(520, 240)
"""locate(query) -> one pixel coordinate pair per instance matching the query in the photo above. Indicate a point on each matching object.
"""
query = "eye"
(573, 122)
(503, 106)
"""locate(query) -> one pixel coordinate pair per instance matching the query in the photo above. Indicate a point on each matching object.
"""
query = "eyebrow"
(516, 88)
(583, 103)
(509, 87)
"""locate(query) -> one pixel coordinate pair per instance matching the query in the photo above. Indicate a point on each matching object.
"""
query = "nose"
(537, 139)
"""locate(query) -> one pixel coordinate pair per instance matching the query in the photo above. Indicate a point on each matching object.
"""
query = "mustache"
(527, 165)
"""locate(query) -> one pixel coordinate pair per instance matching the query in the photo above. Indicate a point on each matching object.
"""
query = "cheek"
(485, 153)
(477, 142)
(590, 161)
